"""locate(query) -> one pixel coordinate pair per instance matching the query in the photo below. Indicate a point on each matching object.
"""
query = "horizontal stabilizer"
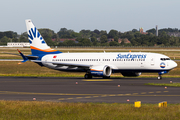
(31, 57)
(24, 57)
(27, 57)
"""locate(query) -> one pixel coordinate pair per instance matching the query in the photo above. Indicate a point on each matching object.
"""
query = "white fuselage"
(119, 61)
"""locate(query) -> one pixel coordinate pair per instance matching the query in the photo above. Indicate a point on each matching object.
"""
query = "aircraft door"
(142, 63)
(152, 61)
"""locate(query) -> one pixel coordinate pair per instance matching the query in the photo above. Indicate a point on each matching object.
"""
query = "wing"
(64, 64)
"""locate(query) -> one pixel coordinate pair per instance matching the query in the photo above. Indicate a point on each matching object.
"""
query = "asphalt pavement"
(117, 90)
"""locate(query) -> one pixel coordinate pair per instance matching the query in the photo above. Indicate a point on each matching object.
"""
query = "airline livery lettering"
(129, 56)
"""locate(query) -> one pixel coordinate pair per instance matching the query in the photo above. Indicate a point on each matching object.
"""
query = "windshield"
(165, 59)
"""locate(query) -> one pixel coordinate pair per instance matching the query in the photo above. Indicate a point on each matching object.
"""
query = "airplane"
(95, 64)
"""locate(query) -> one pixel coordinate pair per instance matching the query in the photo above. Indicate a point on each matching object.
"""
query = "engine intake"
(101, 71)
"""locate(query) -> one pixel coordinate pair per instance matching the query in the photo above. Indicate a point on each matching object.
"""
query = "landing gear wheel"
(88, 76)
(159, 77)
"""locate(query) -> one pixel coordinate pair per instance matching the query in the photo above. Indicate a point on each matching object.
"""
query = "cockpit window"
(165, 59)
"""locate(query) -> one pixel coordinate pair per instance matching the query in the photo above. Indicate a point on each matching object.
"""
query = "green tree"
(113, 43)
(103, 39)
(116, 38)
(75, 35)
(112, 33)
(153, 31)
(122, 43)
(85, 42)
(163, 34)
(85, 33)
(133, 42)
(10, 34)
(103, 32)
(96, 43)
(137, 34)
(94, 35)
(96, 31)
(93, 39)
(1, 35)
(23, 37)
(134, 30)
(4, 40)
(69, 43)
(65, 33)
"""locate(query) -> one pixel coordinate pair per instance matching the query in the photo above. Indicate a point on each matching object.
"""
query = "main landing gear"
(88, 76)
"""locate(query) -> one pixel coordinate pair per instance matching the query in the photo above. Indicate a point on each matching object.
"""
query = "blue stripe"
(30, 35)
(96, 73)
(34, 32)
(37, 52)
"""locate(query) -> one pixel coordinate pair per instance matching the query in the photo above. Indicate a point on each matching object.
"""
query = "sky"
(121, 15)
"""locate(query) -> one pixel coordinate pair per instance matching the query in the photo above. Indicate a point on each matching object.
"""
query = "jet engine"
(101, 71)
(131, 74)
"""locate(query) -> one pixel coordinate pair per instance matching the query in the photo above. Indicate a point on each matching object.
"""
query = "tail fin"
(37, 43)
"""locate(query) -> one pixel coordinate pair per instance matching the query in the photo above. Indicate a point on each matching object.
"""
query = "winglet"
(24, 57)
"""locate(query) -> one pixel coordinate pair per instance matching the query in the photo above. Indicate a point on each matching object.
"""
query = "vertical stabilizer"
(37, 43)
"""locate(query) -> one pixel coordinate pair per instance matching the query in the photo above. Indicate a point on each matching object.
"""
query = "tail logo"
(35, 34)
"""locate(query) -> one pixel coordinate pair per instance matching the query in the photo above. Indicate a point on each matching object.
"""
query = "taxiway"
(120, 90)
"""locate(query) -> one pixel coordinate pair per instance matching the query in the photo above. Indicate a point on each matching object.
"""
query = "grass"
(11, 68)
(36, 110)
(164, 84)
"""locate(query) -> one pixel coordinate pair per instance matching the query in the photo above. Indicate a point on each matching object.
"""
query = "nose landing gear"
(161, 73)
(159, 77)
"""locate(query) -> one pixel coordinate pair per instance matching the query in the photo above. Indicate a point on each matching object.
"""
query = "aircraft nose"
(174, 64)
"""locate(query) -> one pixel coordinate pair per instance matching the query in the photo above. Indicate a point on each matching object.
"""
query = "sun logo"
(35, 34)
(162, 65)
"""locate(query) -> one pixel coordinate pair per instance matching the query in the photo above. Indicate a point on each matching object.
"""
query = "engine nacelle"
(131, 74)
(101, 71)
